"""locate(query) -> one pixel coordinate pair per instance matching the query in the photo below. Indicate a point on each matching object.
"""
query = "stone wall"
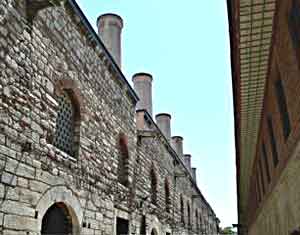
(46, 49)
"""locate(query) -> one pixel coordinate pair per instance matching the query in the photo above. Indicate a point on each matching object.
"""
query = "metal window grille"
(64, 135)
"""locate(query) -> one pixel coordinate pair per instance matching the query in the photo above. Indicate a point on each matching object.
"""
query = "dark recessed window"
(181, 210)
(65, 125)
(167, 196)
(153, 187)
(261, 176)
(273, 142)
(265, 157)
(197, 220)
(189, 214)
(294, 26)
(281, 100)
(259, 196)
(123, 161)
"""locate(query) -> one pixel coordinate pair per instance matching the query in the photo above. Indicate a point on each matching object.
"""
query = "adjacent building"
(265, 39)
(80, 150)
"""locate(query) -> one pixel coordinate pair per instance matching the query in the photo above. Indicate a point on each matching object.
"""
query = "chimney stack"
(110, 29)
(194, 174)
(163, 120)
(176, 143)
(187, 161)
(142, 83)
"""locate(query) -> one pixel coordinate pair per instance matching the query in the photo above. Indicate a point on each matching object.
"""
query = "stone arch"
(154, 231)
(72, 88)
(65, 196)
(155, 227)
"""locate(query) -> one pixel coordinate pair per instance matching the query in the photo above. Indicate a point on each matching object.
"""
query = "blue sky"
(185, 46)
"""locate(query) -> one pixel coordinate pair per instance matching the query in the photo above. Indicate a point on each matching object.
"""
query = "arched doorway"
(57, 221)
(154, 232)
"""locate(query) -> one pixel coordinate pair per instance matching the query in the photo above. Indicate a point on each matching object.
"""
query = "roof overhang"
(251, 30)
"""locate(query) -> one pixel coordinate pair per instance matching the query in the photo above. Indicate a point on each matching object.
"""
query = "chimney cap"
(177, 137)
(111, 15)
(142, 74)
(163, 114)
(188, 155)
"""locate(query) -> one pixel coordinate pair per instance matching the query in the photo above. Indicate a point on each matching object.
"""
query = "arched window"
(153, 186)
(189, 214)
(123, 161)
(167, 196)
(197, 220)
(181, 210)
(201, 223)
(67, 119)
(154, 232)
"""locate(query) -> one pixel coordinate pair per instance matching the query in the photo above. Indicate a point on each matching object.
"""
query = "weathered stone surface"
(41, 61)
(20, 222)
(17, 208)
(9, 179)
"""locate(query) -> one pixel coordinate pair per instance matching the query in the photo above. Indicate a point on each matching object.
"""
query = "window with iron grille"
(294, 26)
(181, 210)
(65, 125)
(265, 157)
(273, 142)
(281, 100)
(167, 196)
(153, 187)
(123, 161)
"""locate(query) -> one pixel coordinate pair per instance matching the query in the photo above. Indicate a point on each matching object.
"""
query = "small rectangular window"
(261, 177)
(281, 100)
(265, 157)
(294, 26)
(258, 190)
(273, 142)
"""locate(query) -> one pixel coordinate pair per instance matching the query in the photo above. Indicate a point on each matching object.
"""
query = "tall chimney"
(163, 120)
(176, 143)
(194, 174)
(110, 29)
(187, 161)
(142, 83)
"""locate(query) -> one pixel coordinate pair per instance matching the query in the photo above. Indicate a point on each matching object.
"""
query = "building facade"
(80, 152)
(265, 70)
